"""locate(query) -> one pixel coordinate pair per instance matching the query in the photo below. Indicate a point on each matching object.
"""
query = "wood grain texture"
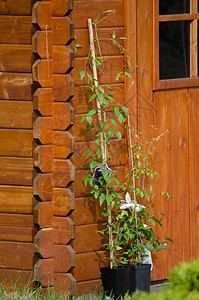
(105, 34)
(61, 8)
(42, 43)
(43, 243)
(65, 283)
(85, 9)
(15, 58)
(43, 271)
(19, 256)
(16, 199)
(63, 202)
(16, 30)
(16, 86)
(95, 260)
(112, 66)
(17, 227)
(194, 171)
(16, 171)
(64, 259)
(16, 278)
(63, 116)
(80, 100)
(43, 187)
(42, 101)
(41, 15)
(83, 242)
(63, 30)
(16, 114)
(42, 72)
(63, 144)
(19, 8)
(43, 158)
(42, 130)
(63, 230)
(62, 54)
(63, 87)
(87, 211)
(18, 143)
(43, 215)
(63, 173)
(89, 286)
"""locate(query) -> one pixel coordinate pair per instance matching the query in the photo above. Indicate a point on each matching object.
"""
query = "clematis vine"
(129, 204)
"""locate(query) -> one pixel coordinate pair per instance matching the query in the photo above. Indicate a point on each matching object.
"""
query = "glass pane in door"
(167, 7)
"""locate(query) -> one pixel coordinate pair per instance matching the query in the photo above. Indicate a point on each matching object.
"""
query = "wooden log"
(81, 97)
(63, 116)
(112, 66)
(42, 130)
(43, 187)
(16, 86)
(87, 10)
(17, 227)
(105, 34)
(43, 272)
(63, 30)
(63, 144)
(41, 15)
(43, 158)
(9, 7)
(15, 58)
(89, 286)
(63, 230)
(13, 279)
(42, 43)
(18, 143)
(88, 265)
(16, 171)
(117, 150)
(62, 54)
(42, 101)
(65, 284)
(87, 211)
(63, 202)
(43, 243)
(19, 256)
(9, 200)
(43, 214)
(16, 30)
(42, 72)
(61, 8)
(63, 87)
(78, 187)
(16, 114)
(84, 243)
(64, 259)
(63, 173)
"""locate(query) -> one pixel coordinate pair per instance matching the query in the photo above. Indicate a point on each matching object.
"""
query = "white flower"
(128, 204)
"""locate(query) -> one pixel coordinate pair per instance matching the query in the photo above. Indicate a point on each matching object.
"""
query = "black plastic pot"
(140, 278)
(116, 281)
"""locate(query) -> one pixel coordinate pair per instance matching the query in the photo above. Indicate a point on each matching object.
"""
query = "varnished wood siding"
(16, 142)
(87, 210)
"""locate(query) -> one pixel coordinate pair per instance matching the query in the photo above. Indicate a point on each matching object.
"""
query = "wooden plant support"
(51, 158)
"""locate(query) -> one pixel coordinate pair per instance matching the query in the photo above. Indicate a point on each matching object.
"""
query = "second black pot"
(140, 278)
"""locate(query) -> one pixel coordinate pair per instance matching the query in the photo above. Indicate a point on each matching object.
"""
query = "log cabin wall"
(36, 171)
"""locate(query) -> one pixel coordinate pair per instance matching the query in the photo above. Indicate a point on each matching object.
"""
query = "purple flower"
(98, 173)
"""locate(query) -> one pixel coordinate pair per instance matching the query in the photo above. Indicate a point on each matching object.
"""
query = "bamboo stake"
(101, 117)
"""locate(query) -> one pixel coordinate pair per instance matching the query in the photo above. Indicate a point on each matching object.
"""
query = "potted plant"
(128, 238)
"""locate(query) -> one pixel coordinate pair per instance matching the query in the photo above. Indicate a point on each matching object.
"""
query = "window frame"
(193, 17)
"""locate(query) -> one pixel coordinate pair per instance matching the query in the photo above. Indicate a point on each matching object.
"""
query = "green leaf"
(108, 199)
(113, 35)
(90, 86)
(92, 98)
(89, 119)
(118, 133)
(88, 152)
(128, 74)
(90, 77)
(116, 110)
(151, 188)
(83, 118)
(82, 74)
(168, 239)
(102, 198)
(123, 38)
(118, 76)
(111, 133)
(120, 117)
(101, 89)
(110, 88)
(125, 109)
(114, 123)
(139, 163)
(100, 97)
(105, 125)
(91, 112)
(89, 128)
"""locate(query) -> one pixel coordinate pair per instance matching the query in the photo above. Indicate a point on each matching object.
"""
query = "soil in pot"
(116, 281)
(140, 278)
